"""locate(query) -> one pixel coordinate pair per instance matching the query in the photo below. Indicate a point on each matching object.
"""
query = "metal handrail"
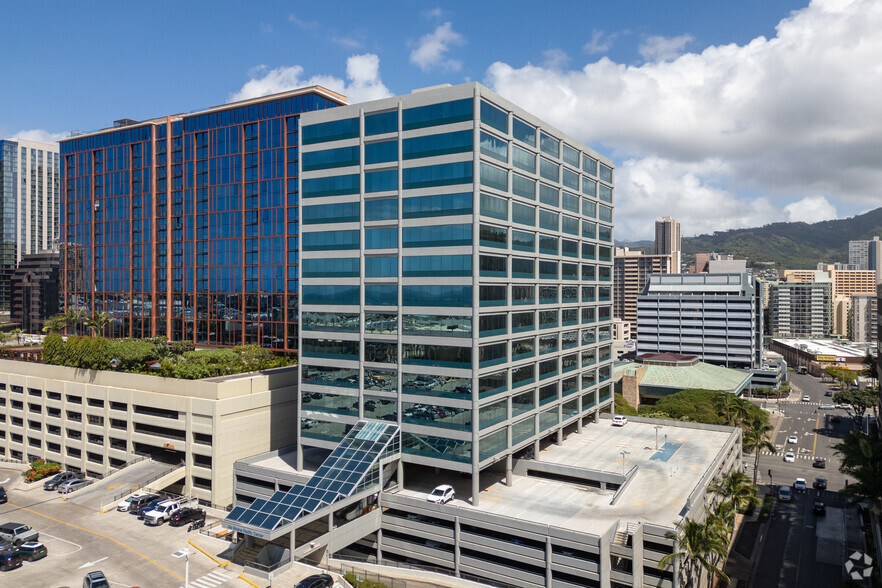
(150, 480)
(341, 559)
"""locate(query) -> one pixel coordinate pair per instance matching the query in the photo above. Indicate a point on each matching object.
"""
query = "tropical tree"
(698, 547)
(55, 323)
(857, 400)
(731, 407)
(755, 438)
(97, 323)
(862, 462)
(870, 367)
(737, 489)
(74, 316)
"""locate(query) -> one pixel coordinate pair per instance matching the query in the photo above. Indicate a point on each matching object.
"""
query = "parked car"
(136, 502)
(3, 497)
(95, 580)
(442, 494)
(125, 504)
(73, 485)
(32, 550)
(142, 510)
(784, 494)
(185, 516)
(820, 508)
(9, 560)
(819, 462)
(799, 484)
(820, 484)
(316, 581)
(619, 420)
(17, 533)
(789, 457)
(162, 511)
(58, 479)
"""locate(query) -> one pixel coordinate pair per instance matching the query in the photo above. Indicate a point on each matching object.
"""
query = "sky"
(721, 114)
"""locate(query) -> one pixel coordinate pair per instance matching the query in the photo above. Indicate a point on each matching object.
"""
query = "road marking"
(114, 486)
(212, 579)
(91, 563)
(815, 442)
(6, 480)
(120, 543)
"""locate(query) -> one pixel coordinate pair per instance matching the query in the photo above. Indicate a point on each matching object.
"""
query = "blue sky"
(692, 99)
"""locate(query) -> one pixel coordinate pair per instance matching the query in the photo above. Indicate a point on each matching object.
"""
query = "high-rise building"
(35, 295)
(454, 252)
(845, 284)
(866, 254)
(801, 309)
(667, 241)
(631, 271)
(717, 317)
(863, 318)
(187, 225)
(29, 193)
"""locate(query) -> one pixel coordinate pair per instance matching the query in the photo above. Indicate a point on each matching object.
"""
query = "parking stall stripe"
(121, 544)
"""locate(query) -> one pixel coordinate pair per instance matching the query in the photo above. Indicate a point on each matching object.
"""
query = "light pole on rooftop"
(657, 427)
(624, 453)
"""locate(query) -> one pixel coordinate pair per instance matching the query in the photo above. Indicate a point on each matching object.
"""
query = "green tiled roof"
(701, 375)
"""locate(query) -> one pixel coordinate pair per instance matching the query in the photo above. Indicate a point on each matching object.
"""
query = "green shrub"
(351, 578)
(623, 407)
(41, 469)
(700, 406)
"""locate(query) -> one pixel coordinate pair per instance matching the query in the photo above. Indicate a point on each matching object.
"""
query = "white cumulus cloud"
(657, 48)
(362, 82)
(600, 42)
(811, 209)
(41, 135)
(783, 119)
(432, 49)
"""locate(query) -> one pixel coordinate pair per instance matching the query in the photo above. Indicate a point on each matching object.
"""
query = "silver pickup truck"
(16, 533)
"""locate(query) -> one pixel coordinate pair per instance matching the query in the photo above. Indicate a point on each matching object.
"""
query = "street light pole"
(624, 453)
(657, 427)
(185, 553)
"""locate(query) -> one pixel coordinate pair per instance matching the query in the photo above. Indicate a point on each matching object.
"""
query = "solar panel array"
(336, 478)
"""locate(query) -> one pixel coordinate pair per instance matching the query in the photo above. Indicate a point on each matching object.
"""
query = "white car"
(619, 421)
(799, 484)
(124, 505)
(806, 398)
(161, 512)
(789, 457)
(784, 494)
(441, 494)
(792, 439)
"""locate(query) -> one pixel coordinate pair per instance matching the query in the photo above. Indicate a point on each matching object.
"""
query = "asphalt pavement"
(800, 548)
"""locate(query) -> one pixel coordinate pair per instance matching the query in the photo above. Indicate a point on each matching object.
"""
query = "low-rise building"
(813, 355)
(98, 421)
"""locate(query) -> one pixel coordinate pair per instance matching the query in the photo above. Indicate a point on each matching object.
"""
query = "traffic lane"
(81, 540)
(810, 385)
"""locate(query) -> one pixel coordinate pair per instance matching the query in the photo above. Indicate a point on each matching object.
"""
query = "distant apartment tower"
(35, 292)
(863, 318)
(667, 241)
(631, 271)
(29, 205)
(801, 310)
(715, 316)
(845, 284)
(866, 254)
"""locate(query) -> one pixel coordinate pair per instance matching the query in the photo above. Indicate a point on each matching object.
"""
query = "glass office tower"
(187, 225)
(456, 267)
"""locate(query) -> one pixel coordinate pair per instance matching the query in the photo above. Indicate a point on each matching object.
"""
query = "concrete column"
(559, 437)
(536, 447)
(579, 425)
(299, 453)
(548, 554)
(400, 473)
(476, 487)
(379, 545)
(508, 468)
(456, 556)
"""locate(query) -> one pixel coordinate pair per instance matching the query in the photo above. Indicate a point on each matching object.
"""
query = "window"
(494, 207)
(329, 348)
(493, 324)
(522, 241)
(549, 195)
(523, 132)
(437, 355)
(589, 165)
(329, 321)
(342, 212)
(548, 220)
(523, 186)
(381, 238)
(492, 354)
(436, 325)
(523, 268)
(604, 193)
(346, 295)
(439, 205)
(437, 175)
(329, 131)
(549, 145)
(380, 267)
(329, 158)
(378, 124)
(381, 181)
(375, 210)
(589, 187)
(523, 214)
(493, 266)
(570, 156)
(548, 244)
(494, 147)
(521, 294)
(437, 266)
(570, 179)
(382, 152)
(381, 295)
(331, 186)
(493, 177)
(605, 173)
(437, 114)
(523, 321)
(433, 145)
(549, 170)
(569, 225)
(330, 240)
(494, 117)
(492, 296)
(441, 295)
(437, 236)
(523, 159)
(491, 236)
(330, 268)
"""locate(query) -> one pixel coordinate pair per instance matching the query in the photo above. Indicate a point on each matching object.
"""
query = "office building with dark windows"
(35, 295)
(29, 205)
(453, 251)
(187, 225)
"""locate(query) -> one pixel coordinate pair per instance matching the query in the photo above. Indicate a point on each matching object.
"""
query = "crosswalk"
(212, 579)
(780, 453)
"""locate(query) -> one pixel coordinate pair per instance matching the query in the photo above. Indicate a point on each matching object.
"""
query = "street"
(803, 549)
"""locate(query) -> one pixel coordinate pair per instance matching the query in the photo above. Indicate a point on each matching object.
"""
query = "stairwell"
(247, 554)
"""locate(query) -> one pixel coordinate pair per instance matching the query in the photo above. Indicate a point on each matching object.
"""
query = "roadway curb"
(216, 560)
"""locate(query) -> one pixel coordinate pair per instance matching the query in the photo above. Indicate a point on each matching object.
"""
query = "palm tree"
(756, 438)
(727, 403)
(862, 461)
(73, 316)
(736, 489)
(15, 334)
(55, 323)
(97, 323)
(697, 547)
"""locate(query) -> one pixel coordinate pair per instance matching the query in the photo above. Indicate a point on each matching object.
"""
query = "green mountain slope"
(790, 245)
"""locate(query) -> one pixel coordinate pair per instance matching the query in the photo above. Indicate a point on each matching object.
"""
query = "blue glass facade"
(188, 226)
(481, 256)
